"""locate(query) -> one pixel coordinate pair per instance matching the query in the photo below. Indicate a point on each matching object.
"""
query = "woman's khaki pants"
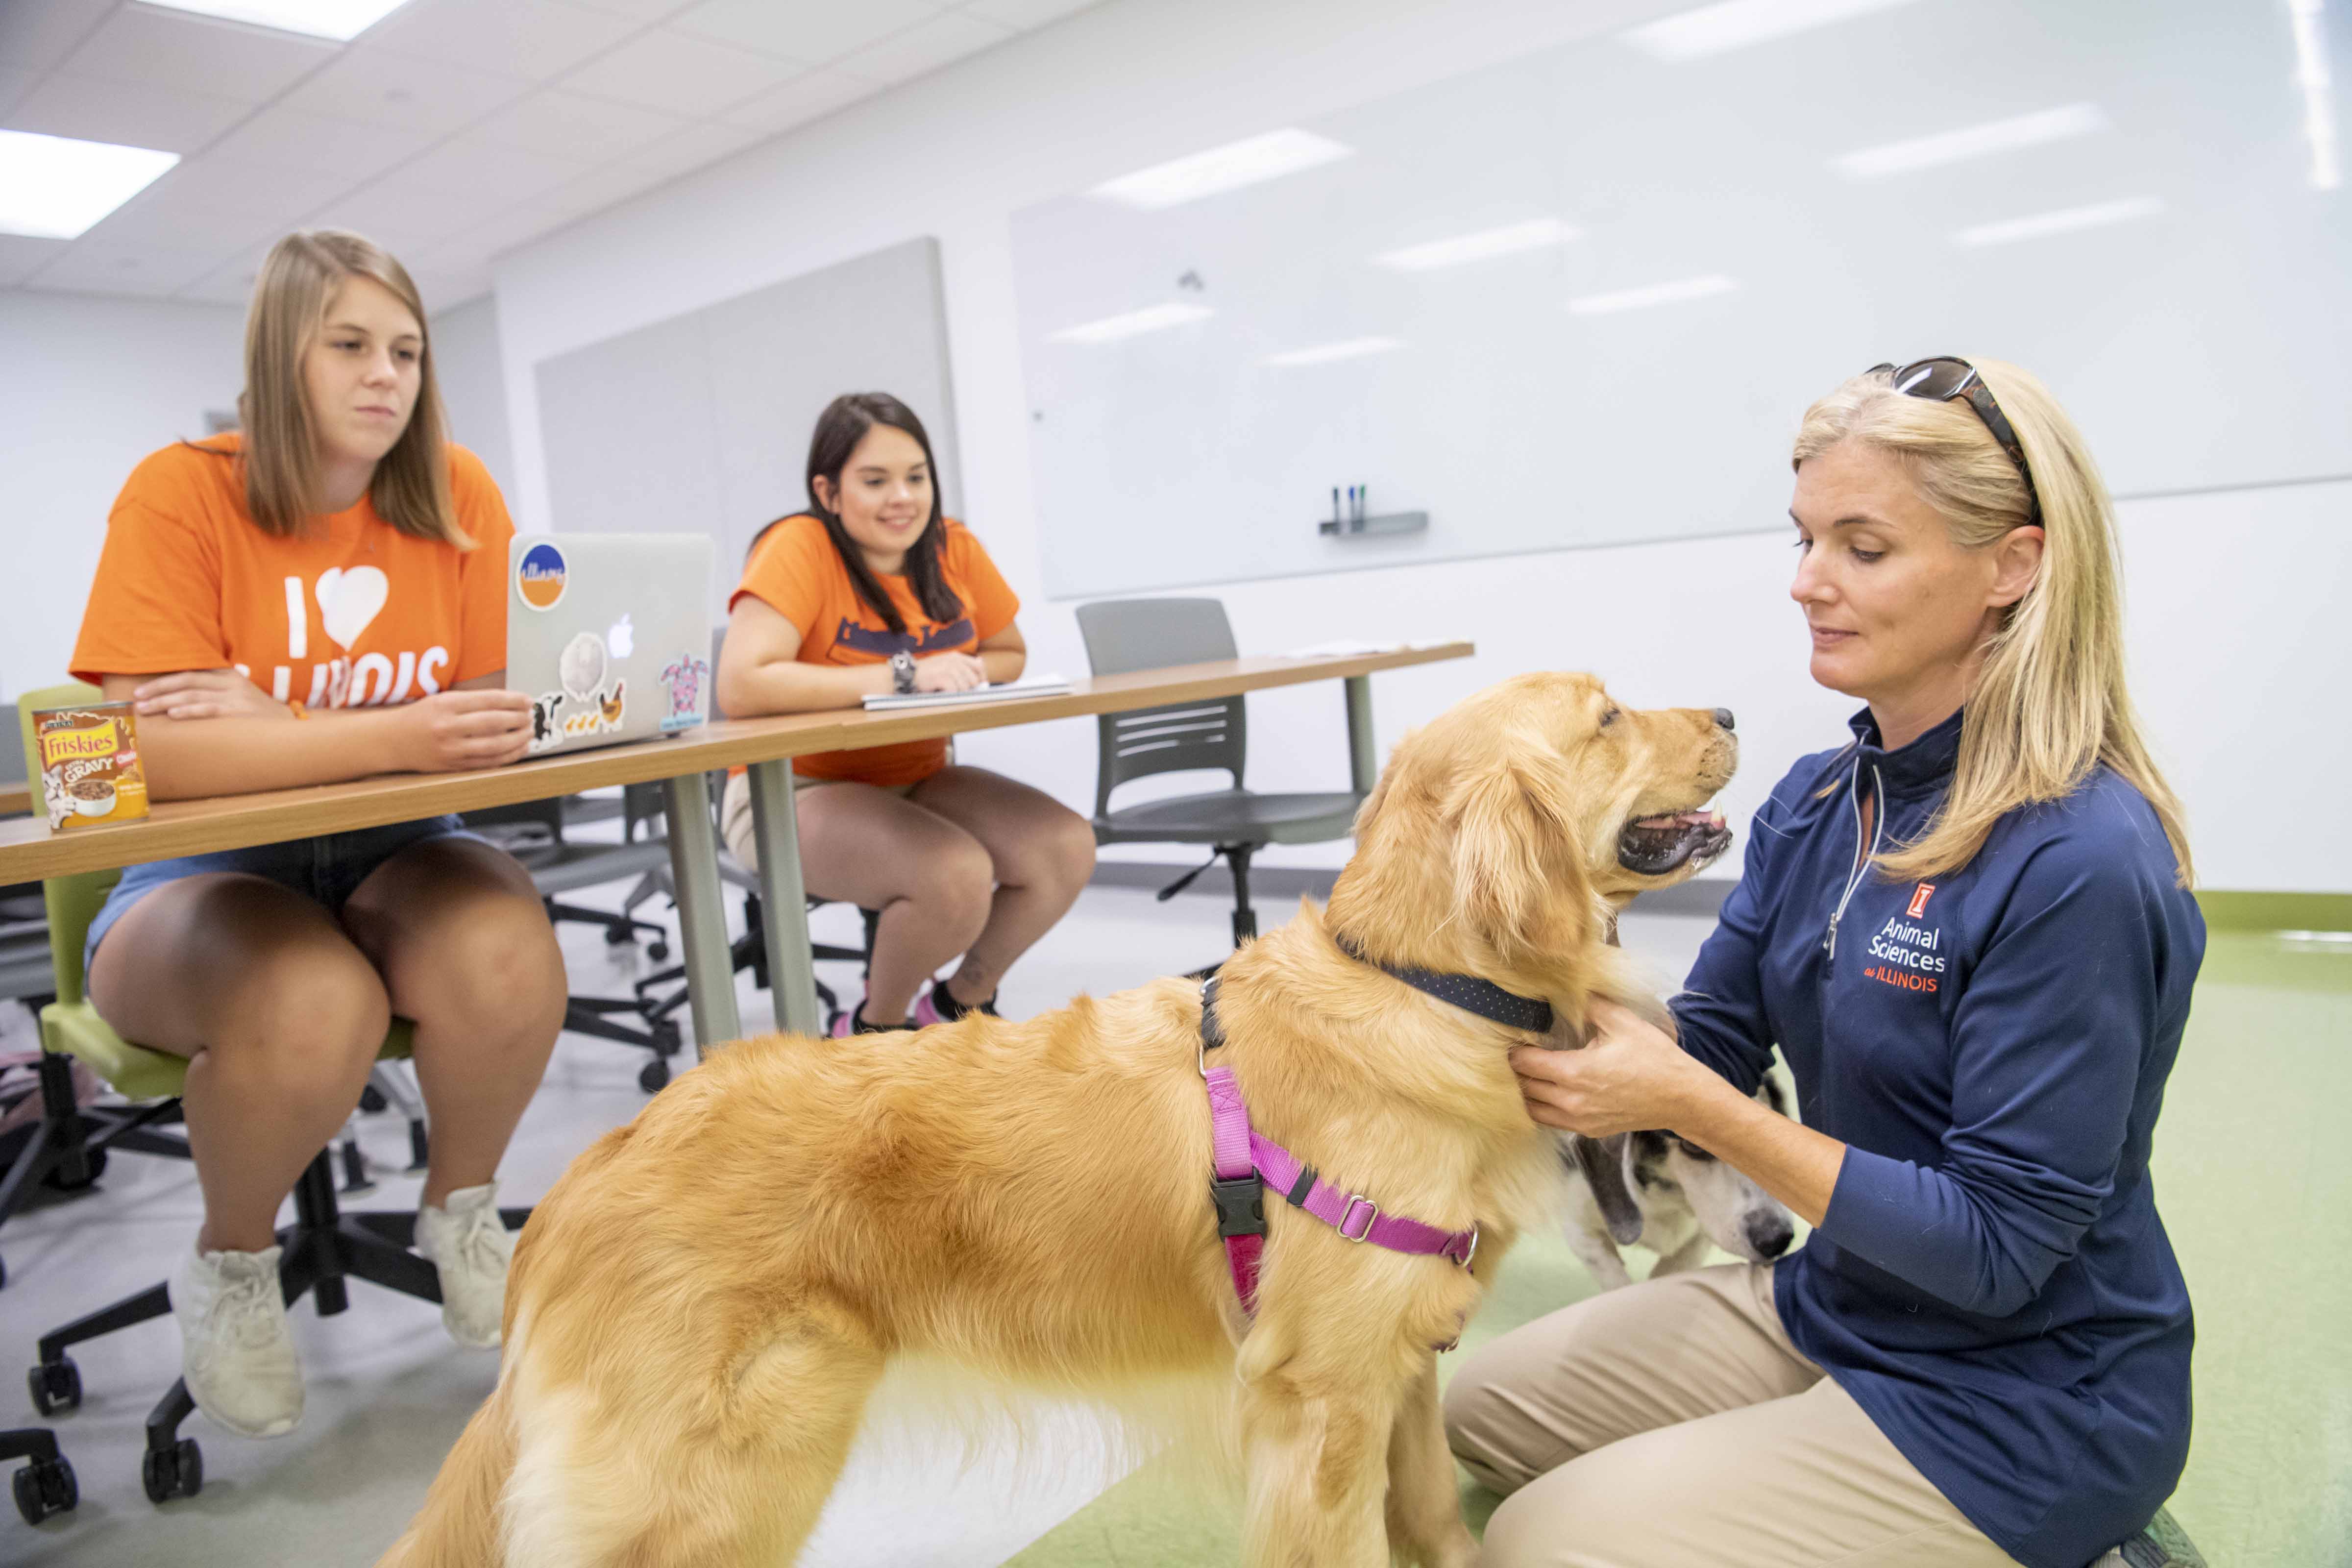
(1672, 1424)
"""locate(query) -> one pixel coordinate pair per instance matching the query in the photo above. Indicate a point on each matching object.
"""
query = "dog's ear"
(1601, 1162)
(1518, 871)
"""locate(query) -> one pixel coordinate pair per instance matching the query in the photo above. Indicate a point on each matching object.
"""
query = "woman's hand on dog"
(1629, 1076)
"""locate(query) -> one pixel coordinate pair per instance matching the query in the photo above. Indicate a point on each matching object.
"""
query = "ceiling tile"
(132, 114)
(572, 124)
(1025, 13)
(802, 29)
(798, 102)
(230, 283)
(185, 225)
(288, 138)
(213, 183)
(687, 75)
(601, 189)
(172, 49)
(441, 288)
(35, 34)
(534, 40)
(21, 255)
(407, 220)
(13, 85)
(471, 164)
(479, 245)
(640, 10)
(925, 47)
(369, 84)
(691, 148)
(95, 266)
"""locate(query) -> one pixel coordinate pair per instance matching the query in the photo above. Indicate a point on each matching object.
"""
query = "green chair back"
(70, 1025)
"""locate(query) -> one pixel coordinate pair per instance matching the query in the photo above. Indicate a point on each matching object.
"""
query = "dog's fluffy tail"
(458, 1527)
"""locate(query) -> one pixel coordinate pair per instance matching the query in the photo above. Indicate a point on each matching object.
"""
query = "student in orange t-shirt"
(321, 600)
(873, 590)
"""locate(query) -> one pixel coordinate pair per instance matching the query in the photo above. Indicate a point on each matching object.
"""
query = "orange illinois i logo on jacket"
(1920, 899)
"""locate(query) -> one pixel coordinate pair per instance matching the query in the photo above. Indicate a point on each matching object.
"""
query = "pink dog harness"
(1245, 1160)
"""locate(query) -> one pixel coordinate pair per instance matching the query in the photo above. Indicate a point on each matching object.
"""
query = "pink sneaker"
(926, 1012)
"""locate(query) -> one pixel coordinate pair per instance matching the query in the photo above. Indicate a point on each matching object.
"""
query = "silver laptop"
(609, 635)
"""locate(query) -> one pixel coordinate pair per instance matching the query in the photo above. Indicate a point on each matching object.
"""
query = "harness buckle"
(1241, 1206)
(1372, 1217)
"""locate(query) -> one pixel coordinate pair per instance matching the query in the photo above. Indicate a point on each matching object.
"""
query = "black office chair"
(1126, 634)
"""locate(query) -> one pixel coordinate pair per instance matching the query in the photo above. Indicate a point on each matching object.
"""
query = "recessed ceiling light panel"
(341, 20)
(54, 187)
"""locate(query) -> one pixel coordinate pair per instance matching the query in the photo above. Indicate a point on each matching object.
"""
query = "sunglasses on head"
(1945, 379)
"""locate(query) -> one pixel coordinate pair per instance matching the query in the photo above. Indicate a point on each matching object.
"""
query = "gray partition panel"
(700, 423)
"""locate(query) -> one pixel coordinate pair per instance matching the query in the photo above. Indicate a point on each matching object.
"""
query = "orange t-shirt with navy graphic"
(350, 613)
(796, 571)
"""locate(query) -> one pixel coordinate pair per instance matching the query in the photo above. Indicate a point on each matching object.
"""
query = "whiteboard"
(2192, 337)
(700, 423)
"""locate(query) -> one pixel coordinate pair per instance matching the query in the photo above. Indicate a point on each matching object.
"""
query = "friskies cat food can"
(90, 764)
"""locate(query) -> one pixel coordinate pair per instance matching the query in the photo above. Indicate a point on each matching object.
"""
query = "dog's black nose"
(1771, 1235)
(1723, 717)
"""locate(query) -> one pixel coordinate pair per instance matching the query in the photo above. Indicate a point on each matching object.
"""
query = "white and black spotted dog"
(1672, 1196)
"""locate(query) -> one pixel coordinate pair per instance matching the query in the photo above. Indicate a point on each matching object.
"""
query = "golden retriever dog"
(701, 1306)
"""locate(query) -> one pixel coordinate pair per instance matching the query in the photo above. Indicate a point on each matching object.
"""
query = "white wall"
(87, 387)
(2223, 584)
(468, 363)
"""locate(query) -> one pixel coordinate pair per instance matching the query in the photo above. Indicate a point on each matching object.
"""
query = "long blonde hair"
(297, 283)
(2048, 703)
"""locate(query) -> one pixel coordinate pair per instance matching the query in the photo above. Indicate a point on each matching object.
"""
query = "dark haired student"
(874, 590)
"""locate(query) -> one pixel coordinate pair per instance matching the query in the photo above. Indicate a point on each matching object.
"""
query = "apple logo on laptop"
(621, 639)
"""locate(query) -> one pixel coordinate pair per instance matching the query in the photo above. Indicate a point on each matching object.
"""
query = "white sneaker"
(235, 1351)
(468, 1242)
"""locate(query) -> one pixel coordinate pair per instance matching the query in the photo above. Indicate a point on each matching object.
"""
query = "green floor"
(2254, 1169)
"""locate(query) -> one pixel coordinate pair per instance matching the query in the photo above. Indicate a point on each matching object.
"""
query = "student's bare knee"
(491, 965)
(313, 1014)
(1070, 845)
(956, 881)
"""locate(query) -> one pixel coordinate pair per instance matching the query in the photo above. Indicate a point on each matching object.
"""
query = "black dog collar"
(1466, 991)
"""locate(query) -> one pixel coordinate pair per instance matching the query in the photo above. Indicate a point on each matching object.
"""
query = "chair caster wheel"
(46, 1487)
(54, 1385)
(94, 1161)
(619, 936)
(175, 1471)
(657, 950)
(652, 1076)
(371, 1100)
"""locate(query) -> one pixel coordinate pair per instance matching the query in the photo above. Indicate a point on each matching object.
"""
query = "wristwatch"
(902, 671)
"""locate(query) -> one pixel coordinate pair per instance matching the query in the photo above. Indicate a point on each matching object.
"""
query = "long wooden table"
(15, 795)
(29, 851)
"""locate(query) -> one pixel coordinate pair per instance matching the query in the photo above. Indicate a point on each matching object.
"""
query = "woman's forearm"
(791, 686)
(189, 759)
(1004, 664)
(1785, 1157)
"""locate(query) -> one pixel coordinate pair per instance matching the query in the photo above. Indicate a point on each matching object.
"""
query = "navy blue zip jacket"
(1990, 1283)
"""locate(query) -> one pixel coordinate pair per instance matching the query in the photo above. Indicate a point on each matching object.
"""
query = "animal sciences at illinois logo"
(539, 576)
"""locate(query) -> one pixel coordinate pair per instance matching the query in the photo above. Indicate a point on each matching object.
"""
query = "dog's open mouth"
(1654, 846)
